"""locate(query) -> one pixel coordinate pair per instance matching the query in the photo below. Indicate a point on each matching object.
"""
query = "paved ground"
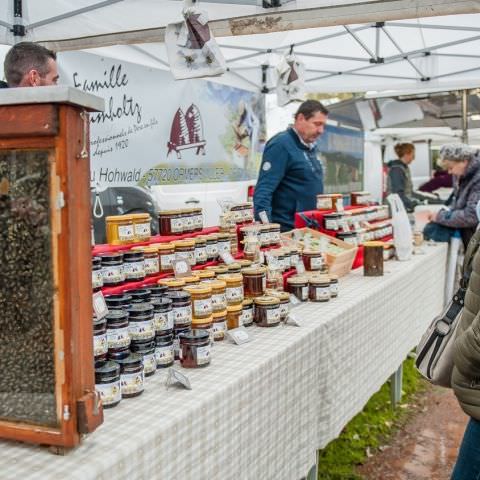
(427, 447)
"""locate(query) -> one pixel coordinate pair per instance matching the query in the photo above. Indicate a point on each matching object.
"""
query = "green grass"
(370, 429)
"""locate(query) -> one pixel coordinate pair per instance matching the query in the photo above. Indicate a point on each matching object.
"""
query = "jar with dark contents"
(223, 243)
(181, 308)
(201, 251)
(107, 383)
(156, 291)
(118, 301)
(201, 297)
(119, 353)
(117, 330)
(219, 325)
(234, 289)
(274, 230)
(267, 311)
(164, 351)
(147, 350)
(97, 274)
(254, 282)
(333, 286)
(212, 247)
(176, 339)
(294, 257)
(313, 260)
(166, 255)
(284, 306)
(131, 375)
(100, 343)
(188, 220)
(298, 285)
(234, 316)
(319, 289)
(264, 236)
(185, 250)
(195, 349)
(140, 317)
(173, 284)
(170, 222)
(332, 221)
(204, 324)
(140, 295)
(112, 269)
(162, 315)
(133, 266)
(197, 214)
(151, 260)
(247, 313)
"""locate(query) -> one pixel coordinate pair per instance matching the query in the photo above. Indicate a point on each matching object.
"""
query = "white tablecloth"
(261, 409)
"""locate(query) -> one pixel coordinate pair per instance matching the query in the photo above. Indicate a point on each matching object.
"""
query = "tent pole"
(465, 116)
(18, 26)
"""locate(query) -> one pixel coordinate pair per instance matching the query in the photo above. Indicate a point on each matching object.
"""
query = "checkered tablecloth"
(261, 409)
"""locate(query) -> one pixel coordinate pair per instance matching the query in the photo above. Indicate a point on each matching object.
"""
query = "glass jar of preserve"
(233, 244)
(156, 290)
(120, 229)
(107, 383)
(248, 212)
(173, 284)
(201, 296)
(164, 350)
(170, 222)
(298, 285)
(234, 267)
(181, 308)
(284, 306)
(254, 281)
(176, 339)
(234, 290)
(166, 255)
(162, 315)
(319, 288)
(264, 235)
(237, 212)
(313, 260)
(133, 266)
(223, 242)
(274, 231)
(195, 349)
(294, 257)
(201, 250)
(191, 280)
(147, 350)
(131, 375)
(349, 237)
(112, 269)
(119, 353)
(117, 329)
(205, 275)
(140, 318)
(332, 221)
(219, 295)
(267, 311)
(185, 250)
(142, 226)
(140, 295)
(212, 247)
(247, 312)
(274, 279)
(97, 274)
(234, 316)
(197, 219)
(100, 344)
(151, 260)
(219, 325)
(333, 286)
(118, 301)
(204, 324)
(188, 221)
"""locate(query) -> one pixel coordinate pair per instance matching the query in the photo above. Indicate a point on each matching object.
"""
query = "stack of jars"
(127, 229)
(313, 286)
(181, 221)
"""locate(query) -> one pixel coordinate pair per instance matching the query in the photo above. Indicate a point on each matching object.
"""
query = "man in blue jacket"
(291, 175)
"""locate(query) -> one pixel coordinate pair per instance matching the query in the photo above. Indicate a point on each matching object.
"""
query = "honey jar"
(330, 201)
(181, 308)
(212, 247)
(166, 256)
(254, 281)
(204, 324)
(234, 316)
(151, 260)
(219, 325)
(188, 220)
(194, 349)
(197, 219)
(234, 290)
(201, 250)
(219, 295)
(223, 242)
(247, 312)
(185, 250)
(201, 301)
(267, 311)
(141, 226)
(120, 230)
(173, 284)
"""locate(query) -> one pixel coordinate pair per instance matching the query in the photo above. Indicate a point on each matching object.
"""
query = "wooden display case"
(47, 386)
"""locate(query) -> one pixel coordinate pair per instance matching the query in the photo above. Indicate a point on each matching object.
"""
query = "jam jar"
(254, 281)
(151, 260)
(348, 237)
(118, 301)
(191, 280)
(319, 290)
(223, 242)
(112, 269)
(313, 260)
(142, 226)
(164, 353)
(117, 330)
(176, 339)
(162, 315)
(329, 201)
(201, 301)
(185, 250)
(267, 311)
(120, 229)
(234, 316)
(205, 275)
(131, 375)
(234, 290)
(100, 344)
(284, 306)
(133, 266)
(166, 255)
(156, 291)
(294, 257)
(97, 274)
(333, 286)
(332, 221)
(195, 349)
(140, 295)
(233, 243)
(173, 284)
(219, 325)
(264, 235)
(147, 350)
(219, 295)
(197, 219)
(298, 285)
(204, 324)
(107, 383)
(140, 317)
(212, 247)
(188, 220)
(181, 308)
(201, 250)
(170, 222)
(274, 231)
(247, 312)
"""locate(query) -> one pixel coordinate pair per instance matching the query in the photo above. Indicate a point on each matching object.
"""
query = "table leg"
(396, 386)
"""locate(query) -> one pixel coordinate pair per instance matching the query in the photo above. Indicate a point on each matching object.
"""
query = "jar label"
(234, 294)
(149, 363)
(264, 238)
(164, 355)
(97, 278)
(134, 270)
(188, 256)
(219, 301)
(284, 309)
(100, 344)
(322, 293)
(141, 330)
(125, 232)
(316, 263)
(304, 293)
(188, 223)
(182, 315)
(331, 224)
(176, 225)
(334, 288)
(131, 382)
(224, 246)
(163, 321)
(201, 253)
(219, 329)
(203, 355)
(113, 274)
(275, 236)
(110, 393)
(152, 266)
(247, 317)
(202, 307)
(198, 221)
(212, 249)
(143, 229)
(166, 260)
(118, 338)
(273, 315)
(324, 203)
(294, 259)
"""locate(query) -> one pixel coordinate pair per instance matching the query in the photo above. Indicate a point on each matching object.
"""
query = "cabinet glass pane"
(27, 379)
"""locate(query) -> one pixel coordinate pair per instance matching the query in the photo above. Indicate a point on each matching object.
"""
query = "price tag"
(239, 335)
(297, 235)
(293, 319)
(181, 268)
(344, 226)
(176, 376)
(227, 258)
(339, 205)
(99, 305)
(263, 217)
(323, 244)
(294, 301)
(300, 267)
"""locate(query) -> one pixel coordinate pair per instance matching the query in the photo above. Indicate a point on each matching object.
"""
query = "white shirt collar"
(310, 146)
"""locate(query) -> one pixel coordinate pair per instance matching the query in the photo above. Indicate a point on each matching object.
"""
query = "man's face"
(312, 128)
(34, 79)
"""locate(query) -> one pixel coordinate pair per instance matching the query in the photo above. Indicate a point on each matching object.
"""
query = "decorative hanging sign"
(291, 80)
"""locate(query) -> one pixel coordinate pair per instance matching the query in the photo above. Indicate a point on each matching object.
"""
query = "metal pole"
(465, 116)
(18, 29)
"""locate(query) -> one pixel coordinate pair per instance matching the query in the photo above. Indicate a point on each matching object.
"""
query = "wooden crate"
(338, 264)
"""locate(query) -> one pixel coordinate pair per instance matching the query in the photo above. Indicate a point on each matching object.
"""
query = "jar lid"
(360, 193)
(218, 269)
(164, 246)
(332, 215)
(156, 290)
(165, 338)
(247, 302)
(274, 225)
(132, 360)
(179, 329)
(200, 239)
(333, 278)
(234, 266)
(116, 316)
(373, 244)
(217, 284)
(220, 314)
(330, 195)
(96, 262)
(140, 295)
(234, 308)
(200, 321)
(140, 216)
(297, 280)
(179, 296)
(149, 249)
(254, 271)
(186, 211)
(184, 243)
(244, 262)
(223, 236)
(117, 300)
(107, 368)
(233, 278)
(197, 210)
(211, 237)
(282, 296)
(169, 212)
(118, 218)
(191, 279)
(160, 303)
(319, 279)
(171, 282)
(140, 310)
(132, 256)
(198, 289)
(346, 234)
(267, 300)
(312, 252)
(193, 335)
(142, 346)
(202, 274)
(248, 228)
(111, 257)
